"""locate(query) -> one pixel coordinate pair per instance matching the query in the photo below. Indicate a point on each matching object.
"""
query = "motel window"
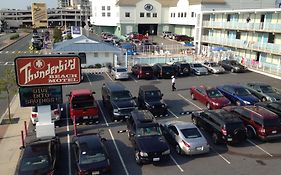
(108, 7)
(82, 58)
(179, 14)
(127, 14)
(141, 15)
(96, 54)
(171, 15)
(238, 35)
(192, 14)
(102, 7)
(103, 14)
(174, 15)
(154, 15)
(185, 14)
(108, 14)
(148, 15)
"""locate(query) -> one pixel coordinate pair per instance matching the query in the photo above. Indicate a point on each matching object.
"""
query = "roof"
(182, 125)
(115, 86)
(84, 44)
(89, 142)
(149, 88)
(142, 116)
(225, 115)
(193, 2)
(81, 92)
(261, 112)
(164, 3)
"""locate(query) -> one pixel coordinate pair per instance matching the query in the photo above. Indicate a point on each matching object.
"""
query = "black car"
(181, 68)
(39, 157)
(232, 65)
(162, 70)
(146, 137)
(150, 98)
(90, 154)
(224, 127)
(37, 41)
(118, 101)
(272, 106)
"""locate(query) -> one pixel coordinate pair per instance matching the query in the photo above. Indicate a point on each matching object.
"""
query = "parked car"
(238, 94)
(232, 65)
(90, 154)
(118, 101)
(39, 157)
(259, 121)
(55, 114)
(83, 106)
(166, 34)
(211, 97)
(272, 106)
(142, 71)
(146, 137)
(162, 70)
(214, 67)
(181, 68)
(37, 41)
(150, 98)
(120, 73)
(198, 69)
(185, 137)
(224, 127)
(182, 38)
(268, 92)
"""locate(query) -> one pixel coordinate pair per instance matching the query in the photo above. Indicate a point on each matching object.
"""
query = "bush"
(68, 37)
(57, 35)
(15, 36)
(97, 65)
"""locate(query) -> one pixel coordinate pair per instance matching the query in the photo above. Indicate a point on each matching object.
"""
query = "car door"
(201, 95)
(173, 133)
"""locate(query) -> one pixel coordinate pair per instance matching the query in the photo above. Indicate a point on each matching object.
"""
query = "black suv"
(142, 71)
(181, 68)
(118, 100)
(232, 65)
(224, 126)
(150, 98)
(146, 137)
(162, 70)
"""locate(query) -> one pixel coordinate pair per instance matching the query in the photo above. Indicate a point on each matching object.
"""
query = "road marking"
(259, 148)
(133, 78)
(0, 52)
(13, 51)
(173, 113)
(176, 163)
(109, 76)
(190, 101)
(119, 154)
(7, 51)
(68, 141)
(6, 63)
(221, 156)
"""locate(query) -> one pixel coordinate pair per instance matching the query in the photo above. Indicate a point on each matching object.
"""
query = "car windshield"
(92, 157)
(267, 89)
(214, 93)
(234, 125)
(276, 106)
(242, 92)
(34, 163)
(168, 69)
(272, 122)
(121, 95)
(83, 101)
(197, 65)
(191, 133)
(121, 70)
(214, 64)
(234, 63)
(184, 66)
(153, 95)
(149, 131)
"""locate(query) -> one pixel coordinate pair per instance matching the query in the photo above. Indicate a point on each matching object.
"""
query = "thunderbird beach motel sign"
(47, 70)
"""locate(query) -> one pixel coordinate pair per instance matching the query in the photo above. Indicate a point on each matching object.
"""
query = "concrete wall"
(100, 58)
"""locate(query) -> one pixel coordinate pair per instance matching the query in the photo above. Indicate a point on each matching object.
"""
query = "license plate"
(229, 139)
(156, 159)
(274, 132)
(147, 73)
(199, 148)
(95, 172)
(86, 117)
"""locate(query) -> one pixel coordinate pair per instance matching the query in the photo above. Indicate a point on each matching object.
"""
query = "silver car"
(265, 92)
(120, 73)
(198, 69)
(214, 67)
(186, 137)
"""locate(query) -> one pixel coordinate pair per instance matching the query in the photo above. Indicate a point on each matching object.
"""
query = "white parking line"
(68, 141)
(176, 163)
(260, 148)
(109, 76)
(222, 157)
(215, 75)
(133, 78)
(190, 102)
(173, 113)
(119, 154)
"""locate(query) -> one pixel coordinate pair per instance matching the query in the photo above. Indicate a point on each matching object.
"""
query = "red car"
(211, 97)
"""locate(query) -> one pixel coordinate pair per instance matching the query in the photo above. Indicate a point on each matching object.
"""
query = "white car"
(214, 67)
(120, 73)
(55, 114)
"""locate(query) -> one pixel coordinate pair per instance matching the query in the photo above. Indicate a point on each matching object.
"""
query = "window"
(154, 15)
(179, 15)
(108, 14)
(141, 15)
(228, 17)
(102, 7)
(192, 14)
(174, 15)
(103, 14)
(96, 54)
(238, 35)
(148, 15)
(82, 58)
(171, 15)
(185, 14)
(108, 7)
(127, 14)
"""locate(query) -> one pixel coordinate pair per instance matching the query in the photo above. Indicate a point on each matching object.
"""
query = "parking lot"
(251, 157)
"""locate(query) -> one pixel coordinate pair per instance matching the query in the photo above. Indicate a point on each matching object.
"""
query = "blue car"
(238, 94)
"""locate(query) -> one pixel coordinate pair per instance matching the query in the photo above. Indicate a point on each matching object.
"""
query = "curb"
(267, 74)
(4, 47)
(5, 113)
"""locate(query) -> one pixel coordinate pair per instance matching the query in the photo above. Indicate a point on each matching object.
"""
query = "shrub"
(15, 36)
(97, 65)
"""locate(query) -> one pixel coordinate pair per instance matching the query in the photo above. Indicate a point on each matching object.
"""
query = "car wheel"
(250, 133)
(178, 149)
(263, 99)
(238, 103)
(208, 106)
(194, 121)
(193, 97)
(232, 70)
(137, 158)
(215, 138)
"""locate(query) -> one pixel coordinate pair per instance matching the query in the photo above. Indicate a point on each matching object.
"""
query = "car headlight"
(163, 105)
(246, 102)
(143, 154)
(236, 68)
(166, 152)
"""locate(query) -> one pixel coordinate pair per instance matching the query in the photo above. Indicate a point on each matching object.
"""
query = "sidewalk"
(10, 137)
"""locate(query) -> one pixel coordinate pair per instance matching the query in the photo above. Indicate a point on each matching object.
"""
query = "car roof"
(149, 88)
(115, 86)
(143, 118)
(36, 148)
(88, 141)
(261, 112)
(225, 116)
(81, 92)
(182, 124)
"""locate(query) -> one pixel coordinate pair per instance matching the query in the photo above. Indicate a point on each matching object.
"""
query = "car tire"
(215, 138)
(238, 103)
(250, 133)
(103, 101)
(208, 105)
(137, 158)
(263, 99)
(192, 96)
(178, 149)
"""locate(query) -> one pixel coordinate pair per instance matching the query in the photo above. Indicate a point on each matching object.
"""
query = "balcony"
(242, 44)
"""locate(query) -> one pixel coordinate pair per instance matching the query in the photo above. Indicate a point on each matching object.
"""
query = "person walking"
(173, 83)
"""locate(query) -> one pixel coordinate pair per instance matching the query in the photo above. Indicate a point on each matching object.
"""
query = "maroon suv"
(259, 121)
(142, 71)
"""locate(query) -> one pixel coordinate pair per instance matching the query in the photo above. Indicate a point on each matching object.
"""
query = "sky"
(22, 4)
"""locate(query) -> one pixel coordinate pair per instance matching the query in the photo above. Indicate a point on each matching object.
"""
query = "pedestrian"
(173, 83)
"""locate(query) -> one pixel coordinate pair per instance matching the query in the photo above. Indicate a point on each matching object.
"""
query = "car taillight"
(34, 115)
(224, 132)
(186, 144)
(56, 112)
(262, 130)
(140, 71)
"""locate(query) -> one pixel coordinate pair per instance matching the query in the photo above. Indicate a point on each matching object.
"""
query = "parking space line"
(173, 113)
(222, 157)
(118, 152)
(106, 123)
(176, 163)
(190, 101)
(133, 78)
(109, 76)
(259, 148)
(68, 141)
